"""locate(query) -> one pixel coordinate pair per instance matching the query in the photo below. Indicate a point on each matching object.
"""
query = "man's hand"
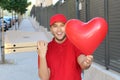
(42, 48)
(85, 61)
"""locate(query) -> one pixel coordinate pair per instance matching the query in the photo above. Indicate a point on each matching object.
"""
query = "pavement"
(22, 65)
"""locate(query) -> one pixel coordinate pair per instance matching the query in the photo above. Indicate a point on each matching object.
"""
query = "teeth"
(59, 33)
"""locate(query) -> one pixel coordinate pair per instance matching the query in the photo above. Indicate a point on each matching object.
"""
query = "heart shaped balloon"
(86, 36)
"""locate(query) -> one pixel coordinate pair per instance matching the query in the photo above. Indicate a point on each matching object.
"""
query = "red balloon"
(86, 36)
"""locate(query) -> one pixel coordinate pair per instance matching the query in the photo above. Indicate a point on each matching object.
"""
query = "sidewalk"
(22, 66)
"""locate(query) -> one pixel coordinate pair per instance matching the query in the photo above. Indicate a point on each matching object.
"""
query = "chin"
(61, 38)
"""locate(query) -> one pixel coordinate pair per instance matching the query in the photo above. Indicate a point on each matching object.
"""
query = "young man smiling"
(60, 59)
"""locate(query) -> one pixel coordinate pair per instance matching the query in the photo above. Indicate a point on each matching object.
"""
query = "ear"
(51, 29)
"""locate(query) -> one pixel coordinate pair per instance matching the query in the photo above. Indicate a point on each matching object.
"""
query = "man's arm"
(43, 71)
(84, 61)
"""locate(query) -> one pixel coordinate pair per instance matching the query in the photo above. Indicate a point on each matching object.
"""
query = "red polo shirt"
(62, 61)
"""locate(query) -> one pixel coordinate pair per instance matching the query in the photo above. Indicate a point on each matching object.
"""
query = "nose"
(59, 28)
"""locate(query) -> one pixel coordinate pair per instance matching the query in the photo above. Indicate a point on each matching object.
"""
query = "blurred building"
(44, 3)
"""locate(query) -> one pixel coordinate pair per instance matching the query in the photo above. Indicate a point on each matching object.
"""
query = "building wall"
(43, 2)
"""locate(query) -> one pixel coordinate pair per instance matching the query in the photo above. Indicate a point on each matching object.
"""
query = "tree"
(19, 6)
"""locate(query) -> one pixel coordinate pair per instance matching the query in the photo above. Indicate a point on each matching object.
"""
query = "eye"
(54, 25)
(62, 25)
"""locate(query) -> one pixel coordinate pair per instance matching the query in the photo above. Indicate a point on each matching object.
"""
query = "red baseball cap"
(58, 18)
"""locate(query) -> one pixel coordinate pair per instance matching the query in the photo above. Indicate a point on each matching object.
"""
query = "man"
(60, 59)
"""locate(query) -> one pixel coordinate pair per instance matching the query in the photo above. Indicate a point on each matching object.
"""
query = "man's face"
(58, 30)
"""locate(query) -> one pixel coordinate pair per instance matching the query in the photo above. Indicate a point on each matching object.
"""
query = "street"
(21, 65)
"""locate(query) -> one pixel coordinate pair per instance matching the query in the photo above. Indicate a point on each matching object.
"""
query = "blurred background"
(108, 53)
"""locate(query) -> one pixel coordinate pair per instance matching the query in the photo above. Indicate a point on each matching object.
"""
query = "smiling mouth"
(59, 33)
